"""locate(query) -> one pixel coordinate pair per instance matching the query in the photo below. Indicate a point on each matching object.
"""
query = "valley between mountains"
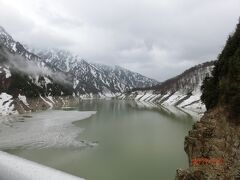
(33, 79)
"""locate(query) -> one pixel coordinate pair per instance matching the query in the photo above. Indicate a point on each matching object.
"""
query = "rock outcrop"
(213, 145)
(213, 148)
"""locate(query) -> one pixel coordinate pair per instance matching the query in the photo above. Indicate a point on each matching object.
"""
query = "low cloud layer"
(34, 68)
(158, 38)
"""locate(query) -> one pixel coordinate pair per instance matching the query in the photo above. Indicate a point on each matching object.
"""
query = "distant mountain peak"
(94, 77)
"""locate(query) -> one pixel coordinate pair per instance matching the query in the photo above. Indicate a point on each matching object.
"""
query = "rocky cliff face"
(213, 145)
(213, 148)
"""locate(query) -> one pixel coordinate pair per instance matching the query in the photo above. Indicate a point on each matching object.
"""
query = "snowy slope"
(183, 91)
(91, 78)
(24, 76)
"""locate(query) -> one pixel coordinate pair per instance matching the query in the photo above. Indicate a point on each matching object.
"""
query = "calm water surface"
(134, 143)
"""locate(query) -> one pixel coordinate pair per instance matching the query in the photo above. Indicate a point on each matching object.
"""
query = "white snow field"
(6, 106)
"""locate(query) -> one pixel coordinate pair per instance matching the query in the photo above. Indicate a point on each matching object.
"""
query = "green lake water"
(134, 143)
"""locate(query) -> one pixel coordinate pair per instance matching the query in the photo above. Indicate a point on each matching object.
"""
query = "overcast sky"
(158, 38)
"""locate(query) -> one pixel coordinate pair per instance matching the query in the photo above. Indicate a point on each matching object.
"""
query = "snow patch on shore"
(46, 101)
(181, 100)
(16, 168)
(6, 106)
(23, 99)
(174, 98)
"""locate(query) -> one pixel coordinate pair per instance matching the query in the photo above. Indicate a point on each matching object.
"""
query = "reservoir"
(122, 140)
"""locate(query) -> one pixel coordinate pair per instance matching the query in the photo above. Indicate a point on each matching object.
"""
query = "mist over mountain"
(48, 74)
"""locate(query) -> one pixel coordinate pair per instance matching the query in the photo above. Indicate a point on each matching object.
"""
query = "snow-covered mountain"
(92, 78)
(183, 91)
(48, 76)
(26, 81)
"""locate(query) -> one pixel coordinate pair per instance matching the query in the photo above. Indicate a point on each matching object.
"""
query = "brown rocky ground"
(213, 148)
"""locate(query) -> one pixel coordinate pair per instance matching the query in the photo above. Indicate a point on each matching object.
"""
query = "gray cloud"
(158, 38)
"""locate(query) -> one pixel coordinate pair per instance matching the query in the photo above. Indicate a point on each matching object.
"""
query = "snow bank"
(7, 73)
(6, 106)
(15, 168)
(180, 100)
(23, 99)
(145, 97)
(191, 99)
(174, 98)
(46, 101)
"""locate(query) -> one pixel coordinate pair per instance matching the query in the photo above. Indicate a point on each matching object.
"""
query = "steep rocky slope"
(213, 148)
(213, 145)
(183, 91)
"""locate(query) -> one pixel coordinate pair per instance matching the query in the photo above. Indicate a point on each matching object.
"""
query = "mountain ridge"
(32, 81)
(106, 79)
(182, 91)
